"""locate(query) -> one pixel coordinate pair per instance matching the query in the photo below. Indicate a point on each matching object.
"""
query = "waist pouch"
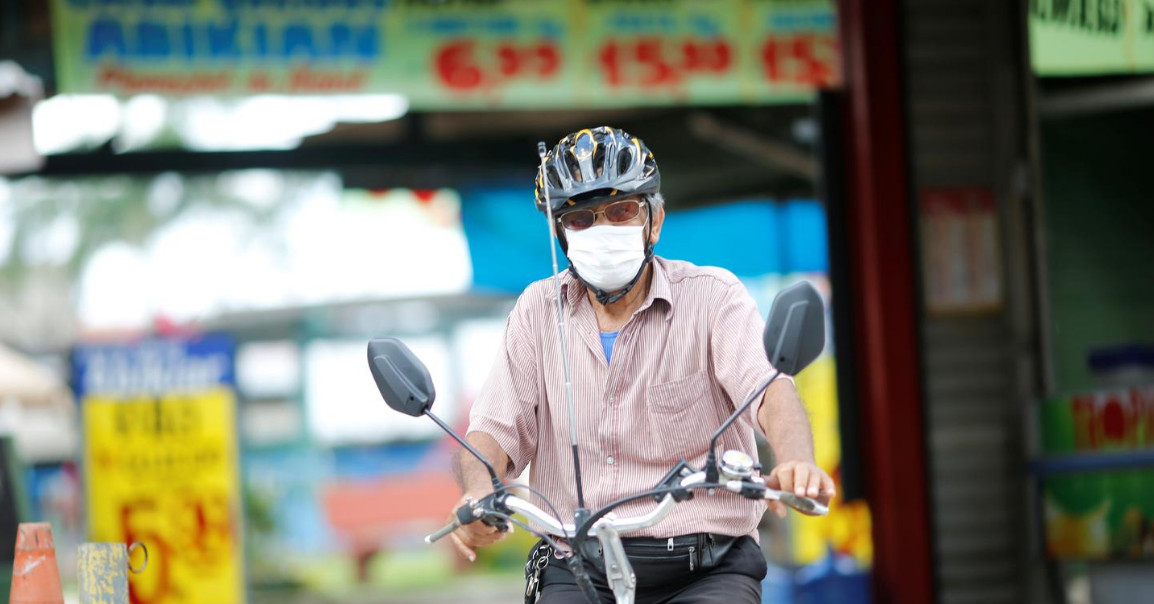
(654, 561)
(697, 551)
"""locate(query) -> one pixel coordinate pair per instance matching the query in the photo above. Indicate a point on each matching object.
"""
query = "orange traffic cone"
(35, 578)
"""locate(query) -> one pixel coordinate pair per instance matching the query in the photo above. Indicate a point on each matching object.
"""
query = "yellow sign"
(846, 530)
(163, 471)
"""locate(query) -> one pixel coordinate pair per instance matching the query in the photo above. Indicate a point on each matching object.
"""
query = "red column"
(885, 317)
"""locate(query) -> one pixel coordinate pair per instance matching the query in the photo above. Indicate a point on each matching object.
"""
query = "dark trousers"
(666, 577)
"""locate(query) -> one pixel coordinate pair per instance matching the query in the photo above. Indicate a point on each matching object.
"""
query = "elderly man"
(661, 352)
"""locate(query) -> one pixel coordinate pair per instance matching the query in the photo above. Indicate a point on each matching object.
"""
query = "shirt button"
(609, 460)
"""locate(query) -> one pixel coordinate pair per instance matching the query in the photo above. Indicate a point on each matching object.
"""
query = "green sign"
(1099, 514)
(471, 54)
(1091, 37)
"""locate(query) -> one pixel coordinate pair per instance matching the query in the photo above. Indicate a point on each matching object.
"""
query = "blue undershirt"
(607, 340)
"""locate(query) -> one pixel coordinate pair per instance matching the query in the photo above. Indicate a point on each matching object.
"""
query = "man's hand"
(804, 480)
(476, 483)
(467, 538)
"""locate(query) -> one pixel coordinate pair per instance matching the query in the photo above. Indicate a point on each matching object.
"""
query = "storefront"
(1093, 463)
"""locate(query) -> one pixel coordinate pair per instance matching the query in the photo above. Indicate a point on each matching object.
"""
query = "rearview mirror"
(795, 332)
(401, 377)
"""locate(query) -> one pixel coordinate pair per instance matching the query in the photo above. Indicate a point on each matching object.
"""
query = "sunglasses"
(616, 213)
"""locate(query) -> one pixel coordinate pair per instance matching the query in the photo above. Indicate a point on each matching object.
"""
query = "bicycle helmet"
(596, 164)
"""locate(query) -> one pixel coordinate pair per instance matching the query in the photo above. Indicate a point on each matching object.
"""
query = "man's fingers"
(785, 477)
(777, 508)
(815, 486)
(463, 549)
(488, 538)
(829, 488)
(800, 479)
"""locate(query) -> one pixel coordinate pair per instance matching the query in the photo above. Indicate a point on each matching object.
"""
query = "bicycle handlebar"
(442, 532)
(750, 489)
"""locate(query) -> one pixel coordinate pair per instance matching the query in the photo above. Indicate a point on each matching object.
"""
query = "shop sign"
(1101, 513)
(1106, 420)
(453, 54)
(1091, 37)
(961, 259)
(160, 463)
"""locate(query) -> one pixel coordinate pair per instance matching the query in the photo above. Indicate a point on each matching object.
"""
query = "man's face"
(631, 211)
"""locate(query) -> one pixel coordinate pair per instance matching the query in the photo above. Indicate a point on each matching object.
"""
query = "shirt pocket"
(681, 417)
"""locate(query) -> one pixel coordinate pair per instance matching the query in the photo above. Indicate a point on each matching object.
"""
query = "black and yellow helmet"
(597, 164)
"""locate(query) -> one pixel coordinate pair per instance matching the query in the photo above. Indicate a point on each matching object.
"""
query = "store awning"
(36, 409)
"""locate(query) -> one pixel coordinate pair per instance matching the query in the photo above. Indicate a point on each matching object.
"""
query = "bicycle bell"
(736, 465)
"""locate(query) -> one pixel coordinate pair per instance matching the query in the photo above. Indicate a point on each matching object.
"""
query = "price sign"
(460, 54)
(508, 54)
(465, 65)
(160, 465)
(795, 47)
(654, 61)
(805, 59)
(639, 52)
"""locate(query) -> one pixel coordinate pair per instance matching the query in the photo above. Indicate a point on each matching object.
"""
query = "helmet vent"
(573, 167)
(624, 160)
(650, 167)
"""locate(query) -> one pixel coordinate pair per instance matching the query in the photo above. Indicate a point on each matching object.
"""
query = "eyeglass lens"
(621, 211)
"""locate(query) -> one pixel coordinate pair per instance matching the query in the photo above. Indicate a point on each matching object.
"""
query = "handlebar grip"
(463, 515)
(443, 532)
(804, 504)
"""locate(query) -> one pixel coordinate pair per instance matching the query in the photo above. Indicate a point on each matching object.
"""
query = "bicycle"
(794, 336)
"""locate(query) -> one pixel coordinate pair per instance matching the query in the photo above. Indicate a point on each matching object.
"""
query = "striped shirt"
(688, 356)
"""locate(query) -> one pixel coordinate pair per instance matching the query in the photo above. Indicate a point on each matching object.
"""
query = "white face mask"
(607, 256)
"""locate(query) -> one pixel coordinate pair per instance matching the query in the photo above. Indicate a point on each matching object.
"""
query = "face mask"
(607, 256)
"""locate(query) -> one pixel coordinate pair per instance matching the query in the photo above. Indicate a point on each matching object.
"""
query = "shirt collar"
(573, 290)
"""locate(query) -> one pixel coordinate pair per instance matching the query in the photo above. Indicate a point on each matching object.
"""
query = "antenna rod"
(542, 152)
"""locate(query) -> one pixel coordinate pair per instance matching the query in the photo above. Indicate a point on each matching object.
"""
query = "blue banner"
(153, 366)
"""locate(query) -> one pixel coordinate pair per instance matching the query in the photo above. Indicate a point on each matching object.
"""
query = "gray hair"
(655, 200)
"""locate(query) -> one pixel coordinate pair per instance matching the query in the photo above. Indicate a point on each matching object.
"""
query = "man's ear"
(657, 219)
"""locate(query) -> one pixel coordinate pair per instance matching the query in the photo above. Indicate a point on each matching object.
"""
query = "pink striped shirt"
(687, 357)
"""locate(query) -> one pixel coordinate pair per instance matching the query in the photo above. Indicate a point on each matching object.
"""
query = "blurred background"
(207, 207)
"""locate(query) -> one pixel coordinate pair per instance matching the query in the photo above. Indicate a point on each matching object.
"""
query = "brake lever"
(490, 510)
(757, 490)
(803, 504)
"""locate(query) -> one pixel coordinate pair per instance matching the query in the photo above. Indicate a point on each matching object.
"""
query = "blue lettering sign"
(222, 43)
(368, 43)
(153, 367)
(105, 37)
(298, 39)
(193, 41)
(152, 40)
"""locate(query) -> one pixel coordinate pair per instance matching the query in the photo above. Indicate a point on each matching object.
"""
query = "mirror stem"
(488, 466)
(711, 473)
